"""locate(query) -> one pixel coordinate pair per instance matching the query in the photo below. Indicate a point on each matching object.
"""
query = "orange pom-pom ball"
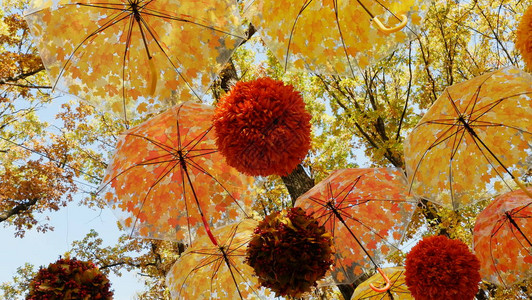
(262, 127)
(439, 268)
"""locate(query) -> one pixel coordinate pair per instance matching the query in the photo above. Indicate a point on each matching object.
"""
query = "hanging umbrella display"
(166, 178)
(366, 211)
(474, 139)
(126, 55)
(398, 289)
(332, 37)
(502, 239)
(208, 271)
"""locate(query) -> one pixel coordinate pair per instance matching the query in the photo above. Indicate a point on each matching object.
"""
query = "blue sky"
(71, 223)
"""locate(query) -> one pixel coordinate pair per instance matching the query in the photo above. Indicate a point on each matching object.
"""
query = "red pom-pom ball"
(70, 279)
(439, 268)
(262, 127)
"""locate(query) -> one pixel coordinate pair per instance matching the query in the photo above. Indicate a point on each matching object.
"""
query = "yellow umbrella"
(398, 289)
(330, 36)
(127, 55)
(472, 142)
(208, 271)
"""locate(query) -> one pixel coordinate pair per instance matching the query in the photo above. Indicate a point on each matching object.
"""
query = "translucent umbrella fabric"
(129, 56)
(207, 271)
(366, 211)
(166, 179)
(397, 291)
(328, 36)
(502, 239)
(473, 142)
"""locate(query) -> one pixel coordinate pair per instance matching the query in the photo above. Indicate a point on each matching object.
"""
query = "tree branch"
(18, 209)
(21, 76)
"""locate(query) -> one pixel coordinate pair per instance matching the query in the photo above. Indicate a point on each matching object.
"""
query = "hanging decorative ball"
(523, 41)
(439, 268)
(70, 279)
(289, 252)
(262, 127)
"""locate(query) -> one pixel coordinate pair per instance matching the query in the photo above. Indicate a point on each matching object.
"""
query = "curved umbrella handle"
(386, 279)
(388, 30)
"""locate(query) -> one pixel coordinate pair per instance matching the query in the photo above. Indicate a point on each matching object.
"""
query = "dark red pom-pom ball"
(439, 268)
(262, 127)
(289, 252)
(70, 279)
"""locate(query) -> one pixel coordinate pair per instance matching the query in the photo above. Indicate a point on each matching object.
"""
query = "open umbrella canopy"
(366, 211)
(166, 178)
(329, 36)
(124, 56)
(208, 271)
(502, 239)
(397, 291)
(473, 141)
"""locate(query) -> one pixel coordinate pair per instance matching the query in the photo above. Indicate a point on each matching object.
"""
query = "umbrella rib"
(292, 31)
(127, 169)
(339, 216)
(387, 9)
(150, 31)
(192, 144)
(453, 104)
(112, 21)
(497, 271)
(208, 152)
(516, 226)
(112, 6)
(474, 98)
(149, 191)
(438, 141)
(347, 216)
(158, 14)
(351, 188)
(344, 47)
(519, 209)
(193, 164)
(125, 60)
(490, 106)
(228, 263)
(231, 236)
(454, 150)
(475, 139)
(160, 145)
(493, 124)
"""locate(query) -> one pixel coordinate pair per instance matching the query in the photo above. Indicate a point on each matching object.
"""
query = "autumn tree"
(362, 119)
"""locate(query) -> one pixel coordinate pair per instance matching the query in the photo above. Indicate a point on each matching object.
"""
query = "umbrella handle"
(522, 187)
(386, 279)
(153, 75)
(388, 30)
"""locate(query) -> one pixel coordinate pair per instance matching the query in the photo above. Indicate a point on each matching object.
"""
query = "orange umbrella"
(502, 238)
(127, 55)
(166, 178)
(330, 36)
(208, 271)
(366, 211)
(398, 289)
(474, 139)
